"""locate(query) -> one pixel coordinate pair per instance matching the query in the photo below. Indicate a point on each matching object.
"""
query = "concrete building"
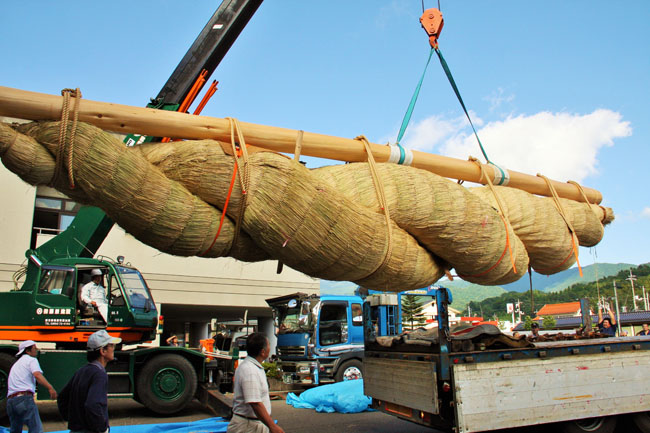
(189, 291)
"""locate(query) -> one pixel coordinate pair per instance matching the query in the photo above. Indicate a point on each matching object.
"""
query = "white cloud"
(645, 213)
(562, 146)
(499, 98)
(386, 14)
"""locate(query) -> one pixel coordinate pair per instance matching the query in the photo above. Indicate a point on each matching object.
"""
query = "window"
(116, 299)
(333, 324)
(357, 315)
(57, 282)
(135, 288)
(53, 213)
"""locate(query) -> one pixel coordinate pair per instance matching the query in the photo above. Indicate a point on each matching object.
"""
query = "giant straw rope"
(326, 222)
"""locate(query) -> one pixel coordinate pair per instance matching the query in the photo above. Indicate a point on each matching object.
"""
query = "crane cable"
(434, 32)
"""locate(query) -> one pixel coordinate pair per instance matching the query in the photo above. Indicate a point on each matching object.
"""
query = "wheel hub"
(590, 424)
(168, 383)
(352, 373)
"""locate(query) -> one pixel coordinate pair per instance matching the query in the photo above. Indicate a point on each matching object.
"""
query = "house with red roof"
(558, 311)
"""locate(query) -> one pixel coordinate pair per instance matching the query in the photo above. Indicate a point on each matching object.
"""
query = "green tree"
(591, 290)
(549, 322)
(528, 323)
(411, 311)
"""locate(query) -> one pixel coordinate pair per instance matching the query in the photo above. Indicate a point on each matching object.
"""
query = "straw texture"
(325, 222)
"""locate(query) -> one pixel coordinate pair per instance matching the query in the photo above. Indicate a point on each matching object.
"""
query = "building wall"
(17, 199)
(206, 281)
(15, 217)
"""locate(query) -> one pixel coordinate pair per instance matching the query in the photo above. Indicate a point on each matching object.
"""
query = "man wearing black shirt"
(83, 402)
(607, 325)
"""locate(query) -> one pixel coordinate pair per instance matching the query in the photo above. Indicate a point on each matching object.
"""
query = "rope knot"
(65, 151)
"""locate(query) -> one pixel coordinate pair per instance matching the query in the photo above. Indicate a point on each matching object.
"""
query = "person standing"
(251, 406)
(172, 341)
(83, 402)
(606, 325)
(21, 386)
(94, 293)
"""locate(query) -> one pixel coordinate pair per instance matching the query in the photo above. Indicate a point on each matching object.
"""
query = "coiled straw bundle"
(325, 222)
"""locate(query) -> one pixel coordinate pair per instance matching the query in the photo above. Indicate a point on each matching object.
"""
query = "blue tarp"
(343, 397)
(211, 425)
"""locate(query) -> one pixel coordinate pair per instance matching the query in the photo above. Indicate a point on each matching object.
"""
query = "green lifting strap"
(409, 111)
(460, 99)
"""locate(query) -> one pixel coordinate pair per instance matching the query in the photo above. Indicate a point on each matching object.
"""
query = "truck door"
(356, 330)
(55, 297)
(118, 311)
(333, 323)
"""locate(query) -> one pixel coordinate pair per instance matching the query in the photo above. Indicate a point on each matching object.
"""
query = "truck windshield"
(296, 317)
(135, 288)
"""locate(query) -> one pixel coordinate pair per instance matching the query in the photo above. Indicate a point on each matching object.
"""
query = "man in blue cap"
(83, 402)
(21, 386)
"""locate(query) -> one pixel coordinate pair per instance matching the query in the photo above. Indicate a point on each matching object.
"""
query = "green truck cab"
(49, 306)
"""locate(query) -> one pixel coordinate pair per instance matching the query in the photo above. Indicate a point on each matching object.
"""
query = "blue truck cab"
(319, 338)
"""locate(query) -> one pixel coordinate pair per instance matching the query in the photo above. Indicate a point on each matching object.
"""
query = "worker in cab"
(94, 293)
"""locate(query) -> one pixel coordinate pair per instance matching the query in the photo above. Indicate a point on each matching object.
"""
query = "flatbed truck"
(583, 385)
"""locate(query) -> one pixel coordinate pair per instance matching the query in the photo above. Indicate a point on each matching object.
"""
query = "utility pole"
(632, 279)
(645, 299)
(618, 314)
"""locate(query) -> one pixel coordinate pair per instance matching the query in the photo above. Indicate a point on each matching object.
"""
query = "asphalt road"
(128, 412)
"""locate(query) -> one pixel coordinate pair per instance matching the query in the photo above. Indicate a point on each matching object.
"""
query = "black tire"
(605, 424)
(349, 370)
(639, 422)
(6, 361)
(166, 384)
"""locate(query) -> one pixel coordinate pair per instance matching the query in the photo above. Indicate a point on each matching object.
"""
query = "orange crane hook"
(432, 23)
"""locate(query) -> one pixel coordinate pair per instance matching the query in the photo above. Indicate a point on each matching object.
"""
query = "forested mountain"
(551, 283)
(604, 286)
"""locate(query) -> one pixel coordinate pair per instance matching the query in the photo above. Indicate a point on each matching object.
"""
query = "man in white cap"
(83, 402)
(21, 387)
(94, 293)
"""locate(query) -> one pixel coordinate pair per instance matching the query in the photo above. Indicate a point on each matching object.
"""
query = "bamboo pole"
(126, 119)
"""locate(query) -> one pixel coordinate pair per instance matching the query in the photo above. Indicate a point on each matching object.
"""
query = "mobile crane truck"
(473, 380)
(48, 306)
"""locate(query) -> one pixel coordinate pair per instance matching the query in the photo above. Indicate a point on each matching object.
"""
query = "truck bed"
(495, 389)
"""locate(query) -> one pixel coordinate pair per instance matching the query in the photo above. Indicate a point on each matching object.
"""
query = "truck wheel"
(640, 421)
(349, 370)
(6, 361)
(605, 424)
(166, 384)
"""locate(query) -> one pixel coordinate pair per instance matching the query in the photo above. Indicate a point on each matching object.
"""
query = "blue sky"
(555, 87)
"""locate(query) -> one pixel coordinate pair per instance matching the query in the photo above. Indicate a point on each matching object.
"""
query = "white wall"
(206, 281)
(17, 198)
